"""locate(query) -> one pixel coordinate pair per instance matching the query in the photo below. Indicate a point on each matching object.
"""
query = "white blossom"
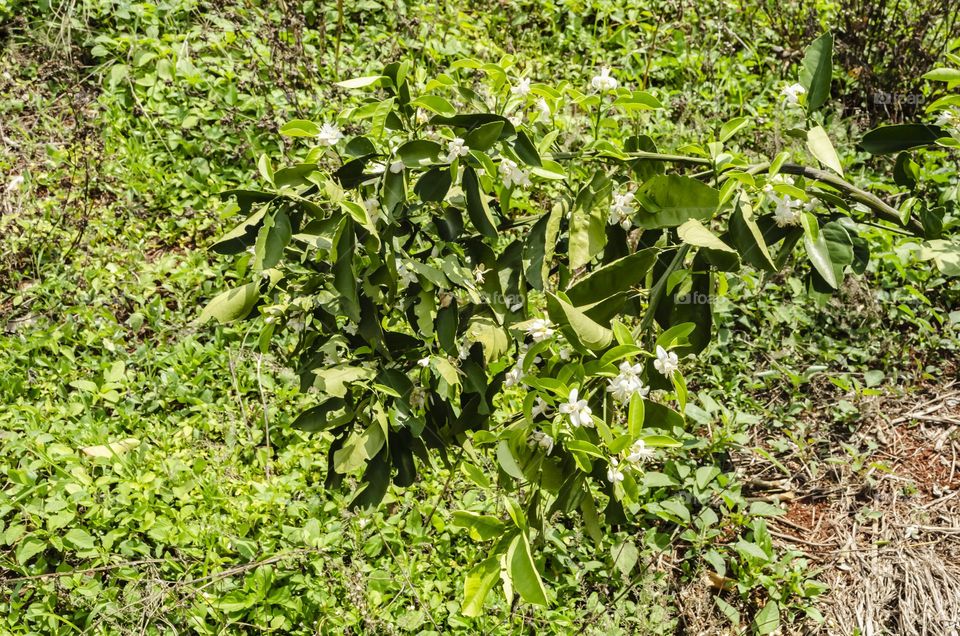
(522, 89)
(406, 276)
(624, 386)
(424, 362)
(541, 439)
(418, 398)
(479, 272)
(577, 410)
(516, 120)
(543, 107)
(948, 118)
(565, 353)
(666, 362)
(512, 175)
(456, 148)
(787, 210)
(639, 452)
(349, 328)
(614, 474)
(621, 209)
(396, 167)
(791, 94)
(372, 206)
(539, 407)
(604, 81)
(540, 329)
(377, 168)
(329, 135)
(513, 376)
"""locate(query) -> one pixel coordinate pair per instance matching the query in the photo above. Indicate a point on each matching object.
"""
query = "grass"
(216, 519)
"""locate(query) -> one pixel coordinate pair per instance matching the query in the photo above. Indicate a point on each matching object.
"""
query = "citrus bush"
(476, 265)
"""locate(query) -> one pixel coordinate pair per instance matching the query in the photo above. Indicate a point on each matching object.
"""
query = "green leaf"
(768, 619)
(233, 304)
(890, 139)
(763, 509)
(526, 150)
(660, 441)
(480, 580)
(300, 128)
(480, 527)
(943, 75)
(577, 326)
(360, 82)
(693, 232)
(817, 71)
(732, 127)
(419, 153)
(332, 412)
(817, 250)
(635, 416)
(507, 461)
(477, 207)
(523, 572)
(483, 137)
(588, 231)
(748, 239)
(820, 146)
(80, 539)
(436, 104)
(669, 200)
(704, 475)
(434, 184)
(488, 333)
(625, 556)
(615, 277)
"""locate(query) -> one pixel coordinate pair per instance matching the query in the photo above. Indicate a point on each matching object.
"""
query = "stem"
(876, 204)
(872, 201)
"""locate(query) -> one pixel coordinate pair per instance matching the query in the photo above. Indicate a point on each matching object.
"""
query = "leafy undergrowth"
(151, 480)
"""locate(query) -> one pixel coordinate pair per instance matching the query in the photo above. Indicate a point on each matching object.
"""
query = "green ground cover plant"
(389, 442)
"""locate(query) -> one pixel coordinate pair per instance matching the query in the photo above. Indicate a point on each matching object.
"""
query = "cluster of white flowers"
(540, 329)
(787, 211)
(456, 148)
(541, 439)
(666, 362)
(479, 273)
(329, 135)
(522, 89)
(791, 94)
(604, 81)
(777, 178)
(639, 452)
(512, 174)
(624, 386)
(577, 410)
(621, 209)
(614, 474)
